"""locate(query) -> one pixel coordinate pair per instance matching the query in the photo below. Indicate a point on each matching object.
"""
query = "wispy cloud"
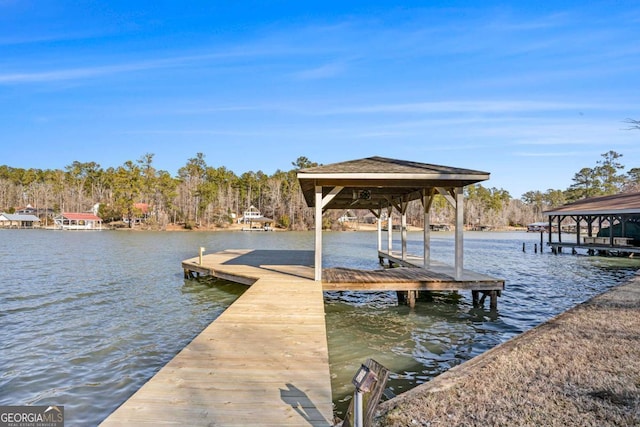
(321, 72)
(549, 154)
(476, 106)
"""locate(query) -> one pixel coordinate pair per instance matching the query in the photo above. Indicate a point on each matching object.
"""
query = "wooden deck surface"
(410, 276)
(263, 362)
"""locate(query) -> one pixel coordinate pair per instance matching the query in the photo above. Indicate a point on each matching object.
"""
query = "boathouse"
(603, 225)
(18, 220)
(78, 221)
(381, 185)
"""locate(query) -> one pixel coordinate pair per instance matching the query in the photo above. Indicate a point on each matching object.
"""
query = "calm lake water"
(88, 317)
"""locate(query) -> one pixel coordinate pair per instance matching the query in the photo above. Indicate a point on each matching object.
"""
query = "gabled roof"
(77, 216)
(20, 217)
(625, 203)
(372, 182)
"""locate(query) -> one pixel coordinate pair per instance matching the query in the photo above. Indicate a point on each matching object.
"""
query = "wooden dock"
(596, 247)
(264, 361)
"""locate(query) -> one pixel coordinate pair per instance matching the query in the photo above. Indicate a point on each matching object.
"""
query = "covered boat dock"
(381, 185)
(603, 225)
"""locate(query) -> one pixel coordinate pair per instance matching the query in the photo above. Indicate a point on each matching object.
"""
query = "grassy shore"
(582, 368)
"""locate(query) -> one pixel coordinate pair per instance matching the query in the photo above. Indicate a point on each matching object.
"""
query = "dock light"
(364, 379)
(201, 251)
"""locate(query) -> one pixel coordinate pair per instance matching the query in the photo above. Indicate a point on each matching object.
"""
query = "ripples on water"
(418, 344)
(88, 317)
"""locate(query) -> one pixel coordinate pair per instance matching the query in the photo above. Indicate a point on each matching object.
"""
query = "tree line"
(205, 196)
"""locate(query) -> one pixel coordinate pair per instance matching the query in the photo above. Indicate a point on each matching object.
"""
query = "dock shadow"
(259, 257)
(301, 403)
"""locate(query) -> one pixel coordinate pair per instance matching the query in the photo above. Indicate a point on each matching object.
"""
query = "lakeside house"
(77, 221)
(18, 220)
(253, 216)
(141, 214)
(348, 217)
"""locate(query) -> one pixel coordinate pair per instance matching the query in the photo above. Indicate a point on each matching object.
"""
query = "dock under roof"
(611, 223)
(380, 183)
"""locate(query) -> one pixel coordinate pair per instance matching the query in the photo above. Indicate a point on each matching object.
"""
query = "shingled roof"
(625, 203)
(372, 182)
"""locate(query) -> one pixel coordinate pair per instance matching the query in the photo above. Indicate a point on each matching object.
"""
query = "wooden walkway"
(264, 361)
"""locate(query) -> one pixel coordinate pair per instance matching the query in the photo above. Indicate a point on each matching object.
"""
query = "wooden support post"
(402, 297)
(379, 227)
(493, 303)
(475, 296)
(389, 230)
(318, 235)
(411, 296)
(403, 227)
(402, 208)
(459, 250)
(541, 240)
(427, 199)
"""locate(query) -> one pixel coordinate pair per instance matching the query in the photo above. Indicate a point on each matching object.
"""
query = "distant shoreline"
(241, 227)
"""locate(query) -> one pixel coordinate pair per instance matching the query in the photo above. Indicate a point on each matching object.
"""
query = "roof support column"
(389, 229)
(427, 198)
(318, 236)
(403, 228)
(459, 249)
(379, 226)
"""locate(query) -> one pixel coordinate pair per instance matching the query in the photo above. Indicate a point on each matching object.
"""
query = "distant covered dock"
(608, 224)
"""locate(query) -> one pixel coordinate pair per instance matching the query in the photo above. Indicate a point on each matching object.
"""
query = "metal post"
(357, 409)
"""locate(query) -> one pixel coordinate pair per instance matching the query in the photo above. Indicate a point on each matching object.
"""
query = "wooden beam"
(329, 197)
(447, 195)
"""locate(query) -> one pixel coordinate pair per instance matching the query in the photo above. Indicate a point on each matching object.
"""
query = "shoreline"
(581, 367)
(240, 227)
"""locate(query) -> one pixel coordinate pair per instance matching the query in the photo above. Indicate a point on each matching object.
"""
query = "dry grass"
(582, 368)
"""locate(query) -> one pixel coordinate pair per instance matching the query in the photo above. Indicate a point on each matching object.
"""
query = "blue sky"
(528, 91)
